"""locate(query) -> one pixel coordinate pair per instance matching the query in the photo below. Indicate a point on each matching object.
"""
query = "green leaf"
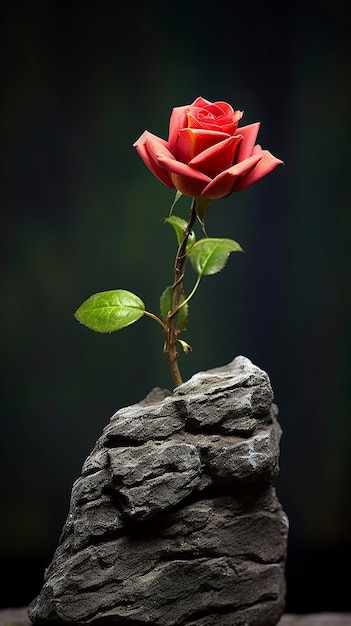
(186, 348)
(209, 256)
(108, 311)
(166, 303)
(176, 198)
(201, 206)
(179, 226)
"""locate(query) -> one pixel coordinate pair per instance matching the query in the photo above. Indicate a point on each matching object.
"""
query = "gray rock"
(175, 519)
(19, 617)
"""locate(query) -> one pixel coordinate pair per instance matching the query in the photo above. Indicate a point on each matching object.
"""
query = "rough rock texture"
(19, 617)
(174, 519)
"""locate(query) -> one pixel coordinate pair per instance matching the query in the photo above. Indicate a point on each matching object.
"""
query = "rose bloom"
(206, 153)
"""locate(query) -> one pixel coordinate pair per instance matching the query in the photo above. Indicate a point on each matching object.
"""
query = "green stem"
(190, 294)
(157, 319)
(170, 348)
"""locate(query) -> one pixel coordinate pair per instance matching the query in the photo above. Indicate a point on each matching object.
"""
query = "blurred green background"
(81, 213)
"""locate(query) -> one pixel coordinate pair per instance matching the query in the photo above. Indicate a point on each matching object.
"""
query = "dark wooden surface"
(18, 617)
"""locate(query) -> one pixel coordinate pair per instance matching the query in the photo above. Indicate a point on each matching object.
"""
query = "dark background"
(81, 213)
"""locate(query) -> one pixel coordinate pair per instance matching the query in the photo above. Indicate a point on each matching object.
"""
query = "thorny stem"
(170, 348)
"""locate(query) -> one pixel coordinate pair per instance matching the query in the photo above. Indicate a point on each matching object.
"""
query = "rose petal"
(214, 115)
(188, 181)
(217, 158)
(200, 102)
(228, 111)
(192, 141)
(150, 147)
(192, 121)
(226, 182)
(221, 108)
(223, 124)
(249, 134)
(265, 165)
(177, 121)
(256, 149)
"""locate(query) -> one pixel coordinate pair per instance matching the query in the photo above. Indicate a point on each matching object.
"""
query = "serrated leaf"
(179, 226)
(108, 311)
(166, 302)
(209, 256)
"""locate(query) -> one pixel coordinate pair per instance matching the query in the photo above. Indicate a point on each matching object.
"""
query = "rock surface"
(19, 617)
(174, 519)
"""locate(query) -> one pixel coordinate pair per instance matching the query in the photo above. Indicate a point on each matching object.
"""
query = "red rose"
(206, 153)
